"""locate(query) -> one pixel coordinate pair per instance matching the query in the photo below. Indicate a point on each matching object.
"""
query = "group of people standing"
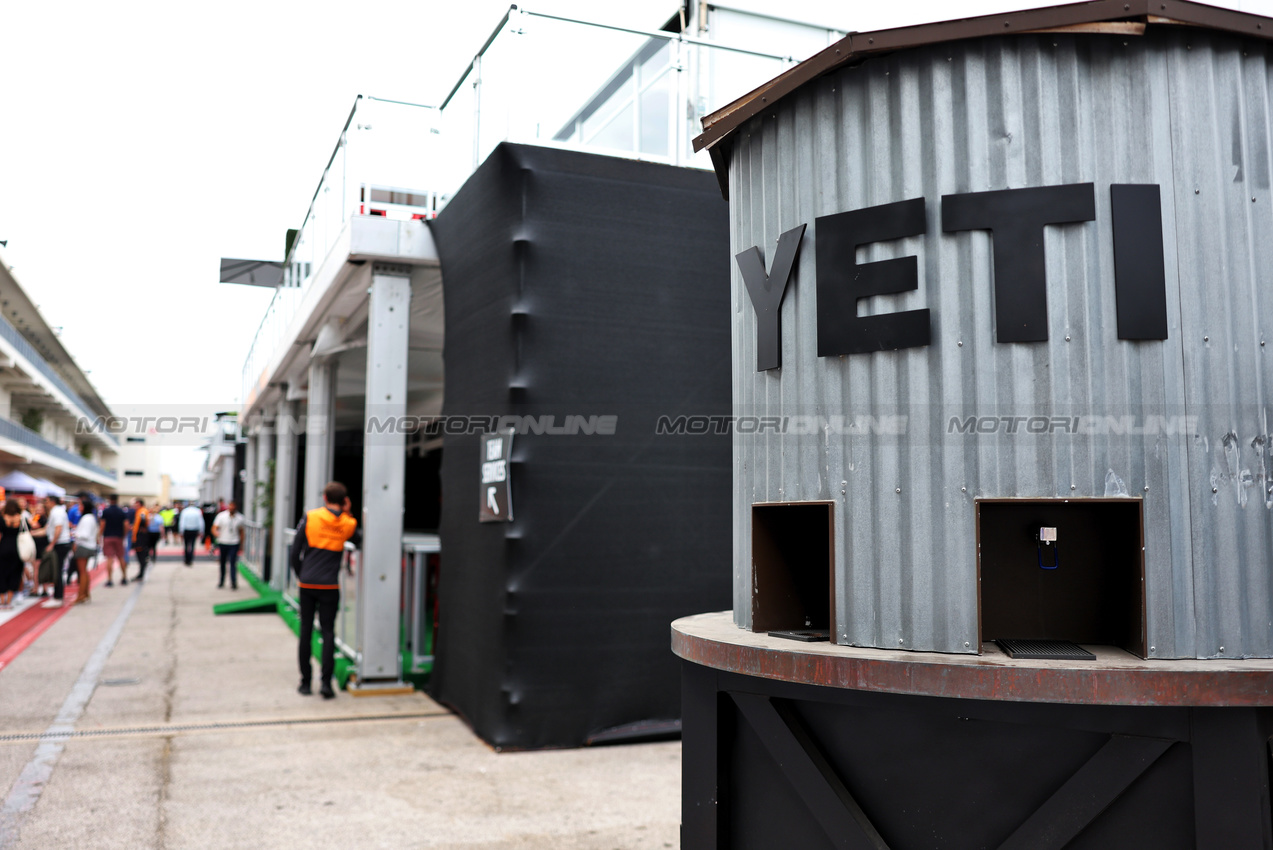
(46, 545)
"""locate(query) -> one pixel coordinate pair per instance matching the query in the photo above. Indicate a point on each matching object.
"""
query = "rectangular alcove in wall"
(792, 562)
(1088, 587)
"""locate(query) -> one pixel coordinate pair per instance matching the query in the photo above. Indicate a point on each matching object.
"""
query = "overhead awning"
(251, 272)
(20, 482)
(48, 488)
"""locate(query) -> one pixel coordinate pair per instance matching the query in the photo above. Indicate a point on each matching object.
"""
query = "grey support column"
(264, 454)
(384, 462)
(249, 475)
(284, 484)
(320, 427)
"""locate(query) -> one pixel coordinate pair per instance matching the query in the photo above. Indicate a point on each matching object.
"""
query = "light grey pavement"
(408, 774)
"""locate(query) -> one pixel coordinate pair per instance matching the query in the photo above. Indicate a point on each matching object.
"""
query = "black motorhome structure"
(484, 352)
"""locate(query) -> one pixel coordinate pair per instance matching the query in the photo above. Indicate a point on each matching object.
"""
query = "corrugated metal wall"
(1187, 110)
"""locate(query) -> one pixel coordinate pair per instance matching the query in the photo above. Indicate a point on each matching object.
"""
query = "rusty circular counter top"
(1114, 678)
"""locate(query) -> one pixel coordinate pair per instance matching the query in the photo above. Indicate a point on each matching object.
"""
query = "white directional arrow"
(490, 499)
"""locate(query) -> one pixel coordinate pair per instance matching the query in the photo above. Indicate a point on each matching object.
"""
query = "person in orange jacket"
(140, 535)
(317, 552)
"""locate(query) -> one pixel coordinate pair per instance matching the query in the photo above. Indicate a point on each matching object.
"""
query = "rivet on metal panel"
(1007, 23)
(1146, 488)
(1261, 343)
(1214, 490)
(901, 640)
(1153, 649)
(1222, 649)
(1197, 191)
(1206, 339)
(960, 343)
(1067, 337)
(870, 41)
(1073, 487)
(967, 644)
(963, 489)
(1126, 6)
(898, 490)
(1253, 199)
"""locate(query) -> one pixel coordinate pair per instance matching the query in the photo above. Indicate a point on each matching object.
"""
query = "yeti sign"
(1015, 218)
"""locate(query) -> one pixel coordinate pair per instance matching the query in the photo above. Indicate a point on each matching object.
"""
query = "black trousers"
(325, 602)
(63, 550)
(190, 538)
(230, 552)
(142, 549)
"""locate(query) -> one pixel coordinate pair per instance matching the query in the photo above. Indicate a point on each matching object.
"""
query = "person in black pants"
(190, 524)
(317, 552)
(227, 527)
(140, 536)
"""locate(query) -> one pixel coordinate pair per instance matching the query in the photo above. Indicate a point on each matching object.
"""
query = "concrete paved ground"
(408, 774)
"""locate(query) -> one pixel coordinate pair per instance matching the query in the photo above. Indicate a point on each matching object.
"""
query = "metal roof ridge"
(719, 125)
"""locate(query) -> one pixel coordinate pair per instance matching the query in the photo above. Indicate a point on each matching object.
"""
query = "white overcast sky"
(141, 142)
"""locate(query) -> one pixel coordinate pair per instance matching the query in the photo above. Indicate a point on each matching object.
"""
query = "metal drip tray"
(1050, 650)
(806, 635)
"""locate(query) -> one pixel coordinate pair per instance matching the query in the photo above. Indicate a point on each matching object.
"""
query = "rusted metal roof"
(1119, 17)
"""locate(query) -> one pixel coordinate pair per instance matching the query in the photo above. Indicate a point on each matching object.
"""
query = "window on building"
(633, 112)
(135, 473)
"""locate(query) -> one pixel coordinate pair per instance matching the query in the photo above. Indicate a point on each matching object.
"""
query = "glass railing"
(256, 538)
(386, 163)
(540, 80)
(546, 80)
(37, 361)
(12, 432)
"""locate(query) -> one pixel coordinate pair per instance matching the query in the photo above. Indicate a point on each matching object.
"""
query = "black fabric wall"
(584, 285)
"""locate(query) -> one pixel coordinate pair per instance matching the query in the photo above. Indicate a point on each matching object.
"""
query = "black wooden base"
(775, 765)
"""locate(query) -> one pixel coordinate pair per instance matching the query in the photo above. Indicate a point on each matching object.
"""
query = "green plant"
(85, 451)
(33, 419)
(265, 495)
